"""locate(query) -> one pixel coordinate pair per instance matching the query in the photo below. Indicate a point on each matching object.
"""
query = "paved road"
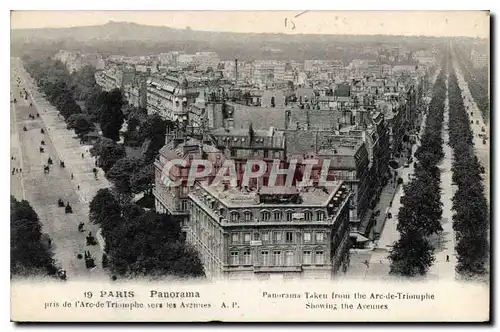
(75, 155)
(43, 190)
(445, 243)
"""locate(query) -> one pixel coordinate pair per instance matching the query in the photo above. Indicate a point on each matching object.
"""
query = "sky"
(411, 23)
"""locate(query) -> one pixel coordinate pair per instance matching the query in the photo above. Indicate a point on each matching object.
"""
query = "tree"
(135, 118)
(108, 152)
(105, 211)
(154, 129)
(150, 245)
(94, 102)
(471, 220)
(111, 118)
(28, 255)
(411, 255)
(143, 179)
(121, 173)
(81, 123)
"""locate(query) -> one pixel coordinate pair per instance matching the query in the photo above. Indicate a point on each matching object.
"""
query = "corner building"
(270, 233)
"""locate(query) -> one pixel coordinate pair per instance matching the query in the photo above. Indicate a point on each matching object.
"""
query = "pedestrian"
(50, 243)
(82, 155)
(20, 170)
(447, 258)
(71, 176)
(78, 187)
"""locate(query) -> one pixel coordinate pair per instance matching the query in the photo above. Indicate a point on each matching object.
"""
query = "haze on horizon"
(408, 23)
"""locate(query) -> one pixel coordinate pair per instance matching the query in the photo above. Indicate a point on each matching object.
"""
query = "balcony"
(280, 269)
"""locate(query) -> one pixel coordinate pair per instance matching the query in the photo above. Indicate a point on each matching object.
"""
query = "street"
(374, 263)
(43, 190)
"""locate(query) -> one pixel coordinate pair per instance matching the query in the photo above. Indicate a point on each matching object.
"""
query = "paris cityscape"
(359, 157)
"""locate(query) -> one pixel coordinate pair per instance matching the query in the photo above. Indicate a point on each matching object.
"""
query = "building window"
(307, 237)
(319, 258)
(184, 204)
(289, 237)
(248, 216)
(265, 257)
(289, 258)
(256, 236)
(307, 215)
(277, 215)
(265, 237)
(235, 238)
(184, 190)
(307, 257)
(234, 258)
(277, 237)
(319, 237)
(266, 154)
(265, 216)
(289, 216)
(235, 216)
(247, 257)
(247, 237)
(278, 258)
(320, 215)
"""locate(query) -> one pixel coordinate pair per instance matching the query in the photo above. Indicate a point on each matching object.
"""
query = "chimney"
(236, 70)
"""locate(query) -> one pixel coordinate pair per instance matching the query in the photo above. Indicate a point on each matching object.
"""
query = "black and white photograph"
(234, 165)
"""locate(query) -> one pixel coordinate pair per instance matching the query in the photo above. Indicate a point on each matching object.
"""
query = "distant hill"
(132, 31)
(135, 39)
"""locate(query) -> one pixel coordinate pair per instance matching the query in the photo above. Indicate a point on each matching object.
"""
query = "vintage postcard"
(189, 166)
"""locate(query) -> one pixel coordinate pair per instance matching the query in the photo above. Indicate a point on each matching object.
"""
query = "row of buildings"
(260, 231)
(358, 118)
(75, 61)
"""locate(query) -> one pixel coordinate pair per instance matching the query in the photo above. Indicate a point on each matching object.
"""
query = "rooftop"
(237, 198)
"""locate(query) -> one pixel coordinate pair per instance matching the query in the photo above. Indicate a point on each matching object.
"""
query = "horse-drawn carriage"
(46, 169)
(49, 161)
(42, 131)
(60, 203)
(42, 150)
(61, 274)
(61, 164)
(25, 129)
(91, 240)
(42, 142)
(68, 209)
(89, 261)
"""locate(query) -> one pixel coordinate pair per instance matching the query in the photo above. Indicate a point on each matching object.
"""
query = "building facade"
(271, 233)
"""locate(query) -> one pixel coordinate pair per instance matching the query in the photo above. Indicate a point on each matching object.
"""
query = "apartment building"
(270, 233)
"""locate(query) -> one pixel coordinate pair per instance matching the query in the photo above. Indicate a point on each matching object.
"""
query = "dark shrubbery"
(28, 254)
(140, 243)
